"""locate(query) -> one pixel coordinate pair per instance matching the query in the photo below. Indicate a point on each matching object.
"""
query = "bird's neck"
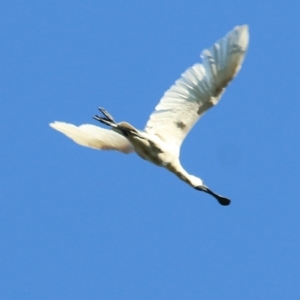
(181, 173)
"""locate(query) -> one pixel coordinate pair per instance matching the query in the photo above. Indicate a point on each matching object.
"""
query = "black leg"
(105, 121)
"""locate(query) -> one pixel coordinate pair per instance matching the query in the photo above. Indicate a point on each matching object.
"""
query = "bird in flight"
(199, 88)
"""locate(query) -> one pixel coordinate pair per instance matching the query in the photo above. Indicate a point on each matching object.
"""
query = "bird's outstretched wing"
(94, 137)
(199, 88)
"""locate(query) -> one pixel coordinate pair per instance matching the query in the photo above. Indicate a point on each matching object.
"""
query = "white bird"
(199, 88)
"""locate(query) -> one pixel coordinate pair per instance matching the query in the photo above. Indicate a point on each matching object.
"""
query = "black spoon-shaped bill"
(222, 200)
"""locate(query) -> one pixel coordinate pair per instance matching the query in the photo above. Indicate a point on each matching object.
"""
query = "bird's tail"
(94, 137)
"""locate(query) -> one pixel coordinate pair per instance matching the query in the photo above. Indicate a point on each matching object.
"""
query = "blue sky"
(76, 223)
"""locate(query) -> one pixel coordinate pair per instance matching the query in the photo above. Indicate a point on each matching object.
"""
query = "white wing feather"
(199, 88)
(94, 137)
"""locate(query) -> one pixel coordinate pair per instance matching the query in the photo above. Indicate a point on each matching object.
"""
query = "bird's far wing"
(199, 88)
(94, 137)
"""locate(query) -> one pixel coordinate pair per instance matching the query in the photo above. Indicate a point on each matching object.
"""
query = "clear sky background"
(77, 223)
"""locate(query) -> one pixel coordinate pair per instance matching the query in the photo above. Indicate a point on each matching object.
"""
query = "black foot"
(222, 200)
(107, 114)
(107, 119)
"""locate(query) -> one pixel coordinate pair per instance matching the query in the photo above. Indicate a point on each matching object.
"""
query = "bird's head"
(196, 181)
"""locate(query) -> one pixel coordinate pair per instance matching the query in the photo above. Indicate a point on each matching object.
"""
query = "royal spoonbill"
(199, 88)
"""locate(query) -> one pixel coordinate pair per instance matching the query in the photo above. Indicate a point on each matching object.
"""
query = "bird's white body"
(151, 148)
(199, 88)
